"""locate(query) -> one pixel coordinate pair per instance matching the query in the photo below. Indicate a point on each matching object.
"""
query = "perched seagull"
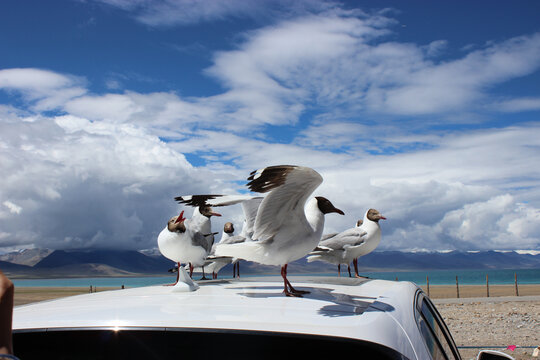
(286, 228)
(228, 237)
(250, 206)
(335, 248)
(350, 244)
(372, 238)
(216, 263)
(200, 222)
(181, 244)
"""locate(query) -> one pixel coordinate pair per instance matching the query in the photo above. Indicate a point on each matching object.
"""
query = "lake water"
(436, 277)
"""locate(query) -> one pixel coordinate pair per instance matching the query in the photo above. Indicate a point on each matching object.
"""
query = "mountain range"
(44, 263)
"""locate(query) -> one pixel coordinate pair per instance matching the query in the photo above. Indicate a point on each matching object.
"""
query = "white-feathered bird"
(182, 244)
(334, 248)
(286, 228)
(352, 243)
(250, 206)
(372, 238)
(216, 263)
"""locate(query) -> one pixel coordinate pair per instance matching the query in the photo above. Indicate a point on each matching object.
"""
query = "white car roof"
(378, 311)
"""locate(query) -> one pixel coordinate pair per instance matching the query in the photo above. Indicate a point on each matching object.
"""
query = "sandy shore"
(473, 319)
(468, 291)
(27, 295)
(492, 323)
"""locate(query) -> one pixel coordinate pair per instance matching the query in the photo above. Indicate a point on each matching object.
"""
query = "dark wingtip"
(195, 200)
(269, 178)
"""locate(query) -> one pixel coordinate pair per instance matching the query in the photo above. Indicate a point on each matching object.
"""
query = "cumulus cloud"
(496, 223)
(102, 171)
(329, 59)
(76, 183)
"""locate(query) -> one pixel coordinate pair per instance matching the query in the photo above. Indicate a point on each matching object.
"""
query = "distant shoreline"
(465, 277)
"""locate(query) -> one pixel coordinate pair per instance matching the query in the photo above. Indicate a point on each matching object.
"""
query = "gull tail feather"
(250, 251)
(313, 258)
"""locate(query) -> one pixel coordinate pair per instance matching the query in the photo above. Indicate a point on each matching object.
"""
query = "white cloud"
(99, 175)
(518, 105)
(343, 62)
(13, 208)
(45, 89)
(32, 79)
(85, 183)
(186, 12)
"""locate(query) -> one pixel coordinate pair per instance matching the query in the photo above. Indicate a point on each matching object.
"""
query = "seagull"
(228, 237)
(287, 225)
(372, 238)
(350, 244)
(250, 205)
(216, 263)
(181, 244)
(200, 222)
(335, 248)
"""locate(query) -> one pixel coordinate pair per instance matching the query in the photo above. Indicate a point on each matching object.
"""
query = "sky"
(426, 111)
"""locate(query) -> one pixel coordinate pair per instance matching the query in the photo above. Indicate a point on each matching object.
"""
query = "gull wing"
(289, 188)
(233, 240)
(328, 236)
(213, 200)
(251, 208)
(199, 239)
(350, 237)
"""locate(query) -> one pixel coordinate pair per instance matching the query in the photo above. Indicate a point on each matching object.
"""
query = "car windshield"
(196, 344)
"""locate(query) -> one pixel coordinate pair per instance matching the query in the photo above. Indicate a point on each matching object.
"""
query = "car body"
(378, 319)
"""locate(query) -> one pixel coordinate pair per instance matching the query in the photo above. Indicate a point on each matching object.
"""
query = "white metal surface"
(373, 310)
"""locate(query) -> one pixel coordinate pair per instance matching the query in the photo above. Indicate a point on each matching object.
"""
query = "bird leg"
(339, 270)
(288, 289)
(203, 275)
(355, 262)
(177, 276)
(238, 268)
(349, 268)
(191, 270)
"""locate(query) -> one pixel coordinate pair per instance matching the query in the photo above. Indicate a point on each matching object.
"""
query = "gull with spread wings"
(287, 226)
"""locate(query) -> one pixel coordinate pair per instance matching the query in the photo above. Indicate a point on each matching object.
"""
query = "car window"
(430, 338)
(188, 344)
(434, 331)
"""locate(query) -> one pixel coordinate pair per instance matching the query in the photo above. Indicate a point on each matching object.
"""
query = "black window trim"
(419, 299)
(385, 349)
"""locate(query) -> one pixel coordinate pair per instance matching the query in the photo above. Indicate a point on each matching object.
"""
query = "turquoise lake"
(436, 277)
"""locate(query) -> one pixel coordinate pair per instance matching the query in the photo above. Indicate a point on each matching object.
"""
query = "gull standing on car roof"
(250, 208)
(372, 238)
(200, 222)
(286, 228)
(216, 263)
(228, 237)
(182, 244)
(336, 248)
(250, 205)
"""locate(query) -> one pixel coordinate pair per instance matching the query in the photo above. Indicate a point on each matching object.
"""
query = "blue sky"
(427, 111)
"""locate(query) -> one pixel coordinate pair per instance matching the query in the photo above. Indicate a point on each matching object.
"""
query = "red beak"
(215, 214)
(180, 217)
